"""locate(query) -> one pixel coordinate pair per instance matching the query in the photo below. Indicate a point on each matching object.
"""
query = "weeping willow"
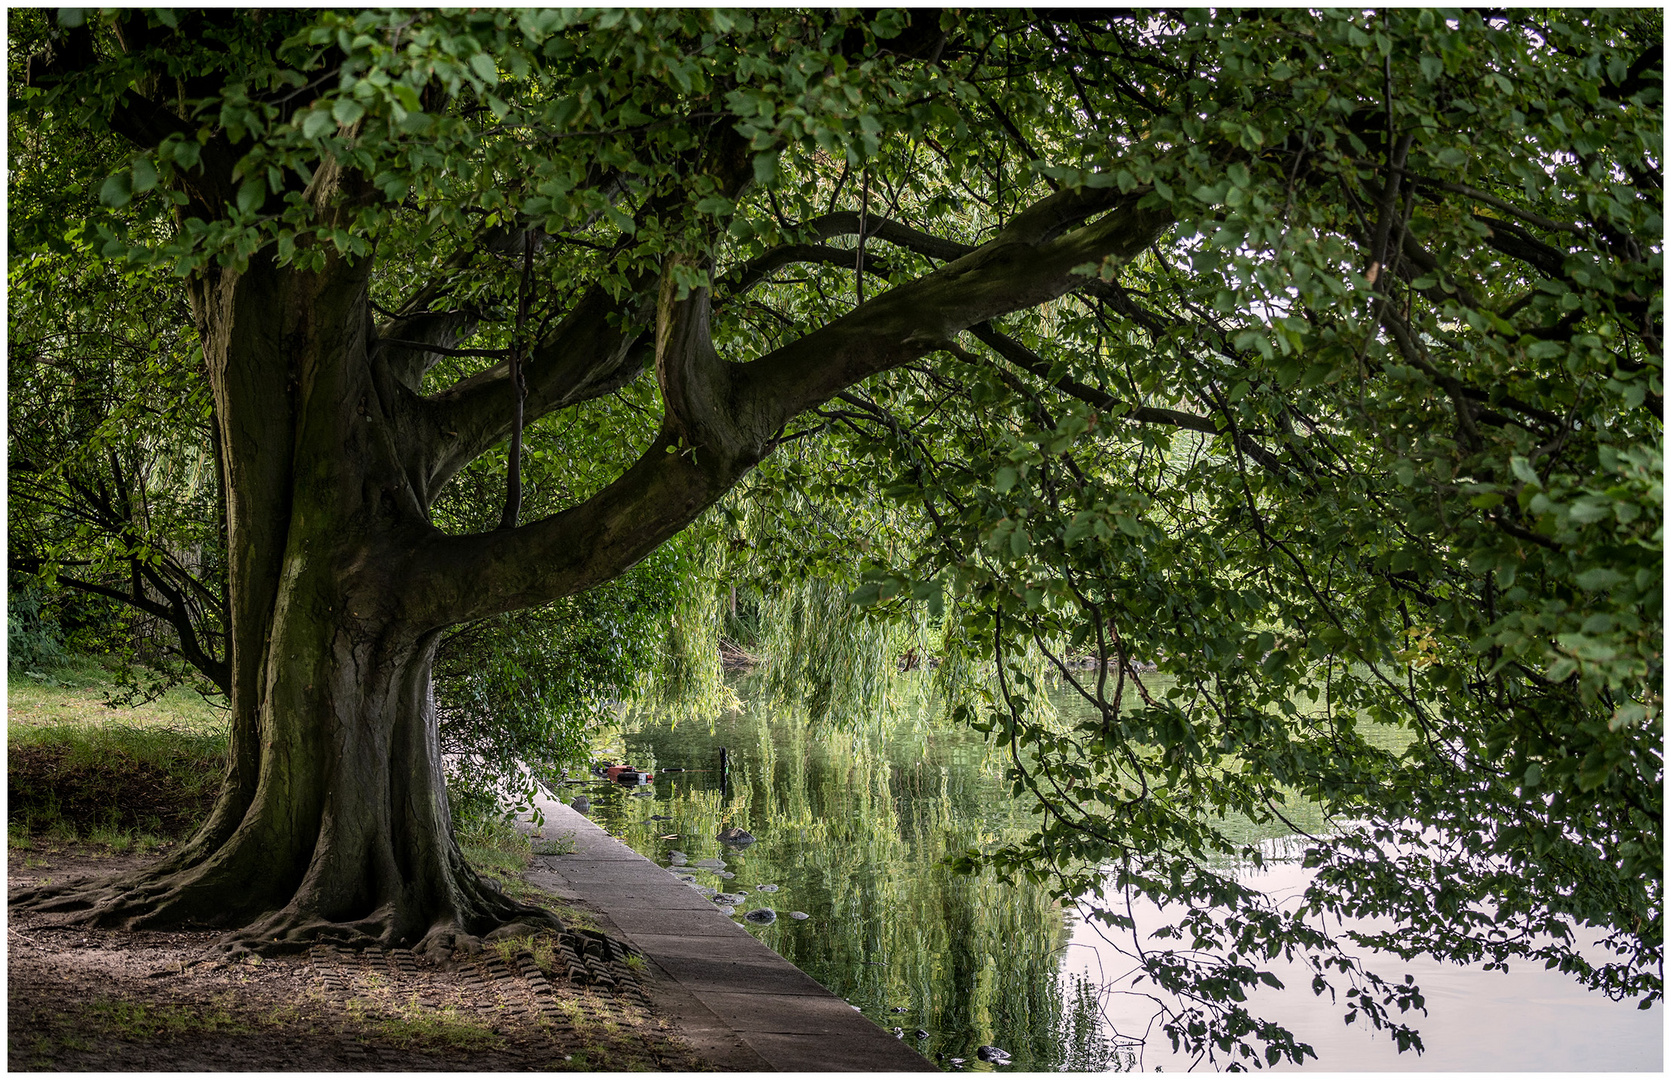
(688, 677)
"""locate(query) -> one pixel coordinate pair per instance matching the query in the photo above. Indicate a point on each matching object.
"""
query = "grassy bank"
(128, 778)
(77, 692)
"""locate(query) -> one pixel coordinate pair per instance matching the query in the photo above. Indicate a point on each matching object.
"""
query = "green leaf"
(346, 111)
(1597, 578)
(144, 174)
(484, 67)
(117, 191)
(316, 123)
(251, 194)
(1524, 472)
(187, 153)
(865, 595)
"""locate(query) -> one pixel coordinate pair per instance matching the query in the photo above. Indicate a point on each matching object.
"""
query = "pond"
(852, 829)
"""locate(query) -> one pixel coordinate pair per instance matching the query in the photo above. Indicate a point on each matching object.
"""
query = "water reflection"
(853, 827)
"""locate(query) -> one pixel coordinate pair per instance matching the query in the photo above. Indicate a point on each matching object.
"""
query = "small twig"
(497, 354)
(519, 389)
(864, 214)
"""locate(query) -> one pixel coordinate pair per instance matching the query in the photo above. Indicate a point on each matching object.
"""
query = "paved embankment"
(738, 1003)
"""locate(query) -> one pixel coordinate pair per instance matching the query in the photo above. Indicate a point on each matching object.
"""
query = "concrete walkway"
(739, 1004)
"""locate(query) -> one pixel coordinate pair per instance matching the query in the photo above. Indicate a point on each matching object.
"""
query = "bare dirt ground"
(112, 1000)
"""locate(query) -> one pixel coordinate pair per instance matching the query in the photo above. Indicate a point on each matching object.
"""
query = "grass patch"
(76, 692)
(417, 1028)
(124, 786)
(554, 845)
(497, 851)
(494, 846)
(543, 948)
(501, 853)
(126, 779)
(138, 1021)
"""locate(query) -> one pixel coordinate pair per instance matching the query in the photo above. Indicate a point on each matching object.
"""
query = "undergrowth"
(118, 785)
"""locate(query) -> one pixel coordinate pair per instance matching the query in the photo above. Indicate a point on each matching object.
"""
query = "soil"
(87, 1000)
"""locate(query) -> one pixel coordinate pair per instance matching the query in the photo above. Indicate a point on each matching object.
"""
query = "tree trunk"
(333, 822)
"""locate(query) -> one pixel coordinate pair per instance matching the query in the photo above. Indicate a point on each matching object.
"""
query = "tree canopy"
(1286, 382)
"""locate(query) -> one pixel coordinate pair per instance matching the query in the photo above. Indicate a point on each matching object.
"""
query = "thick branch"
(1515, 242)
(1030, 262)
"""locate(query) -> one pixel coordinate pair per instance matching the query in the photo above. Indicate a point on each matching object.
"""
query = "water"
(852, 828)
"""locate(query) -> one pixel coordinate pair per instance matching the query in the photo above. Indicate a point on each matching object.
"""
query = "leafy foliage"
(34, 640)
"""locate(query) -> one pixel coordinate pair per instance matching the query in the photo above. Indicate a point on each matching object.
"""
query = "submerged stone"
(734, 835)
(798, 915)
(728, 898)
(762, 915)
(765, 888)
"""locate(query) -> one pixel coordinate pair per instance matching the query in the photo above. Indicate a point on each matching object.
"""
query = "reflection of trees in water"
(1084, 1042)
(855, 826)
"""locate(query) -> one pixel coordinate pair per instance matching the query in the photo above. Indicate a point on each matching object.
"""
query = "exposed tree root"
(152, 900)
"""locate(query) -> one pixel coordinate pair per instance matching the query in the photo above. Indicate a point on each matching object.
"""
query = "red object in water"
(626, 774)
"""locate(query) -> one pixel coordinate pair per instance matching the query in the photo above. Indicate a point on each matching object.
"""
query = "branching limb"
(592, 352)
(846, 223)
(755, 271)
(723, 417)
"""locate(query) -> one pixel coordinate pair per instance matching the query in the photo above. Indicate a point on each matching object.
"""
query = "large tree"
(1304, 354)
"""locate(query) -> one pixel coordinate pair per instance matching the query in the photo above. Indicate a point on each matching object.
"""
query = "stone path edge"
(739, 1005)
